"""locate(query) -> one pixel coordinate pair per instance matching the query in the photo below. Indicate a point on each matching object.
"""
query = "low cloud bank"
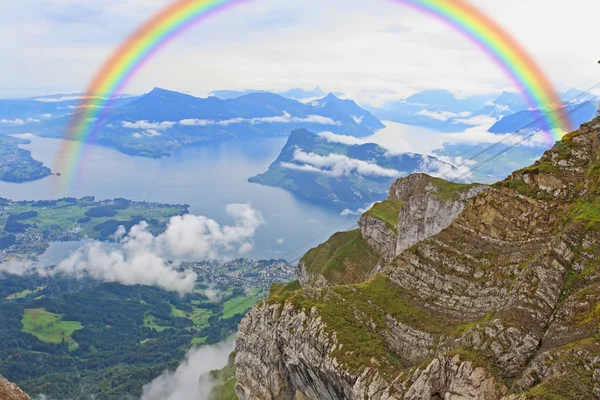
(442, 115)
(18, 121)
(286, 118)
(148, 125)
(360, 211)
(337, 165)
(140, 258)
(185, 382)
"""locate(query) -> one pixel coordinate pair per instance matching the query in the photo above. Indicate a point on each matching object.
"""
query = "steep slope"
(418, 206)
(502, 304)
(10, 391)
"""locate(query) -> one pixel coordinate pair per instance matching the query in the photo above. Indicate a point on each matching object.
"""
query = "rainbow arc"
(167, 24)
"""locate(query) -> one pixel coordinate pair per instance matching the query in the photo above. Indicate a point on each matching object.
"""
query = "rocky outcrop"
(10, 391)
(419, 206)
(431, 206)
(504, 303)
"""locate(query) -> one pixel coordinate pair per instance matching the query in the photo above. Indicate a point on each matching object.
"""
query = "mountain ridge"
(501, 304)
(338, 174)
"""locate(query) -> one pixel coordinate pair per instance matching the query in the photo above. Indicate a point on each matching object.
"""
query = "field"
(241, 304)
(49, 327)
(66, 215)
(24, 293)
(26, 227)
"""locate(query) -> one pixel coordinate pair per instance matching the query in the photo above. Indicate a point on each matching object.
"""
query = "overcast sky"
(371, 50)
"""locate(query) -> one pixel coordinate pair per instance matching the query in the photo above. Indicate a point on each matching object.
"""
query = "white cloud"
(213, 294)
(148, 125)
(140, 258)
(46, 116)
(448, 168)
(16, 267)
(279, 241)
(196, 122)
(477, 120)
(360, 211)
(358, 120)
(191, 379)
(337, 165)
(17, 121)
(286, 118)
(146, 133)
(442, 115)
(247, 52)
(63, 98)
(344, 139)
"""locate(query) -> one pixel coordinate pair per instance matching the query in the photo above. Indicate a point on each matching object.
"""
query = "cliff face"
(502, 302)
(418, 207)
(10, 391)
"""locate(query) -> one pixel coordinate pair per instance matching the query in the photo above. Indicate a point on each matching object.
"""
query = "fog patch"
(185, 382)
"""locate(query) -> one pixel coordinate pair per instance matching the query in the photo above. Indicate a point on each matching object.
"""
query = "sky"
(373, 51)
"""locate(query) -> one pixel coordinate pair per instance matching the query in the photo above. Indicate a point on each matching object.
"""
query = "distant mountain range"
(161, 121)
(441, 110)
(321, 169)
(294, 94)
(35, 109)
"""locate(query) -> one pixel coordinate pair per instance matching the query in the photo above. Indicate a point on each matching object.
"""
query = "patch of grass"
(225, 378)
(176, 312)
(150, 322)
(575, 383)
(49, 327)
(460, 329)
(280, 288)
(450, 190)
(238, 305)
(199, 340)
(388, 212)
(200, 317)
(344, 258)
(25, 293)
(586, 212)
(526, 190)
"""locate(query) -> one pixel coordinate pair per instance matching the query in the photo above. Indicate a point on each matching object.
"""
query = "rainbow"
(168, 23)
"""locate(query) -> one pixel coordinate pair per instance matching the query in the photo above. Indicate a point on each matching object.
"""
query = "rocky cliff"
(10, 391)
(501, 301)
(418, 206)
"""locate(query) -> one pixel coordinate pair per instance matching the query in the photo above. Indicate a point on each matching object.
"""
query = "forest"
(62, 336)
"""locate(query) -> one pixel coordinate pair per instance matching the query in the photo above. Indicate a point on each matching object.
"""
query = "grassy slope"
(239, 305)
(224, 389)
(387, 211)
(49, 327)
(344, 258)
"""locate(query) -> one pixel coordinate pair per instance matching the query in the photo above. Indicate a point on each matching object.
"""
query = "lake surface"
(207, 177)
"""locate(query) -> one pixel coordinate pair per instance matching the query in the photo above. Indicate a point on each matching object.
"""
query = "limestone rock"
(479, 293)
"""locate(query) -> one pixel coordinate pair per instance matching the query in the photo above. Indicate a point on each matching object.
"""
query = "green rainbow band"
(167, 24)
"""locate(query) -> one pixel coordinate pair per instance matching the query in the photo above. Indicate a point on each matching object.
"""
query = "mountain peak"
(160, 92)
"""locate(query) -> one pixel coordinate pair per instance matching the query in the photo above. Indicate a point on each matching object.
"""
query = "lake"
(207, 177)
